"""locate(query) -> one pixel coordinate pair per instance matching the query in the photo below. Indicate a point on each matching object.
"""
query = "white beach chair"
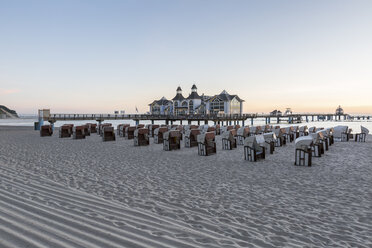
(270, 140)
(229, 140)
(303, 131)
(252, 150)
(312, 129)
(191, 137)
(317, 147)
(303, 152)
(280, 139)
(361, 137)
(242, 133)
(206, 144)
(172, 140)
(141, 137)
(341, 133)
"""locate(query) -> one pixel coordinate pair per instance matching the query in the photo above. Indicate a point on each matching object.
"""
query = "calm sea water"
(355, 125)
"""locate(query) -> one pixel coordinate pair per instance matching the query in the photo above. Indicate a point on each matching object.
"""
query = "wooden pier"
(216, 118)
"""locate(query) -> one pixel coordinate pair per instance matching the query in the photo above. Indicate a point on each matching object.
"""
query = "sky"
(100, 56)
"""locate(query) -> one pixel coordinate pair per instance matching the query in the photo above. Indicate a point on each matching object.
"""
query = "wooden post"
(152, 122)
(251, 121)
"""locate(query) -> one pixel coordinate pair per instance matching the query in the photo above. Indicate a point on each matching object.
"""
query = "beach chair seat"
(206, 144)
(141, 137)
(229, 139)
(140, 126)
(78, 132)
(303, 154)
(241, 134)
(108, 133)
(191, 137)
(129, 132)
(46, 130)
(361, 137)
(65, 131)
(158, 134)
(172, 140)
(252, 150)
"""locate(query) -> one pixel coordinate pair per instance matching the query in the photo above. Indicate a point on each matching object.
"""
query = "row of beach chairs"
(319, 140)
(258, 141)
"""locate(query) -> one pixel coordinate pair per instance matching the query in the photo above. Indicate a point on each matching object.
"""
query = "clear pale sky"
(100, 56)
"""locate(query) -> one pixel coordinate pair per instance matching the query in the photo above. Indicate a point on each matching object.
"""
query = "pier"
(222, 119)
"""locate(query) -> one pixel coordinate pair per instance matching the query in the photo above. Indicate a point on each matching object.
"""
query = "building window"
(191, 107)
(217, 106)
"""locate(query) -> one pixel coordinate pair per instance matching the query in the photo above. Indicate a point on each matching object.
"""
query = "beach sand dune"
(88, 193)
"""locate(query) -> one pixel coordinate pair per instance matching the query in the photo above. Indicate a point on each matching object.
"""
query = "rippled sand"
(87, 193)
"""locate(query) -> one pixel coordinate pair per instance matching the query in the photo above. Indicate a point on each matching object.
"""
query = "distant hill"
(7, 113)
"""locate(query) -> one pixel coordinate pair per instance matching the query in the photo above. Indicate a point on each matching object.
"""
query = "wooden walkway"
(292, 118)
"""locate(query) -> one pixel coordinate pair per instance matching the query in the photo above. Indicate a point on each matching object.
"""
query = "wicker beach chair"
(108, 133)
(241, 134)
(296, 132)
(172, 140)
(129, 132)
(78, 132)
(280, 138)
(65, 131)
(303, 152)
(158, 134)
(92, 128)
(122, 129)
(229, 139)
(86, 130)
(206, 144)
(270, 140)
(152, 128)
(303, 131)
(361, 137)
(218, 129)
(341, 133)
(252, 150)
(191, 137)
(288, 133)
(323, 138)
(46, 130)
(102, 126)
(118, 129)
(312, 130)
(317, 147)
(141, 137)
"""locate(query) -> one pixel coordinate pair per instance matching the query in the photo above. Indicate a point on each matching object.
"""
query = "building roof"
(194, 87)
(179, 88)
(193, 95)
(224, 96)
(178, 97)
(162, 101)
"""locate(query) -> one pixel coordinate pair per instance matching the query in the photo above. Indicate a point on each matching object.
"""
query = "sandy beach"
(88, 193)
